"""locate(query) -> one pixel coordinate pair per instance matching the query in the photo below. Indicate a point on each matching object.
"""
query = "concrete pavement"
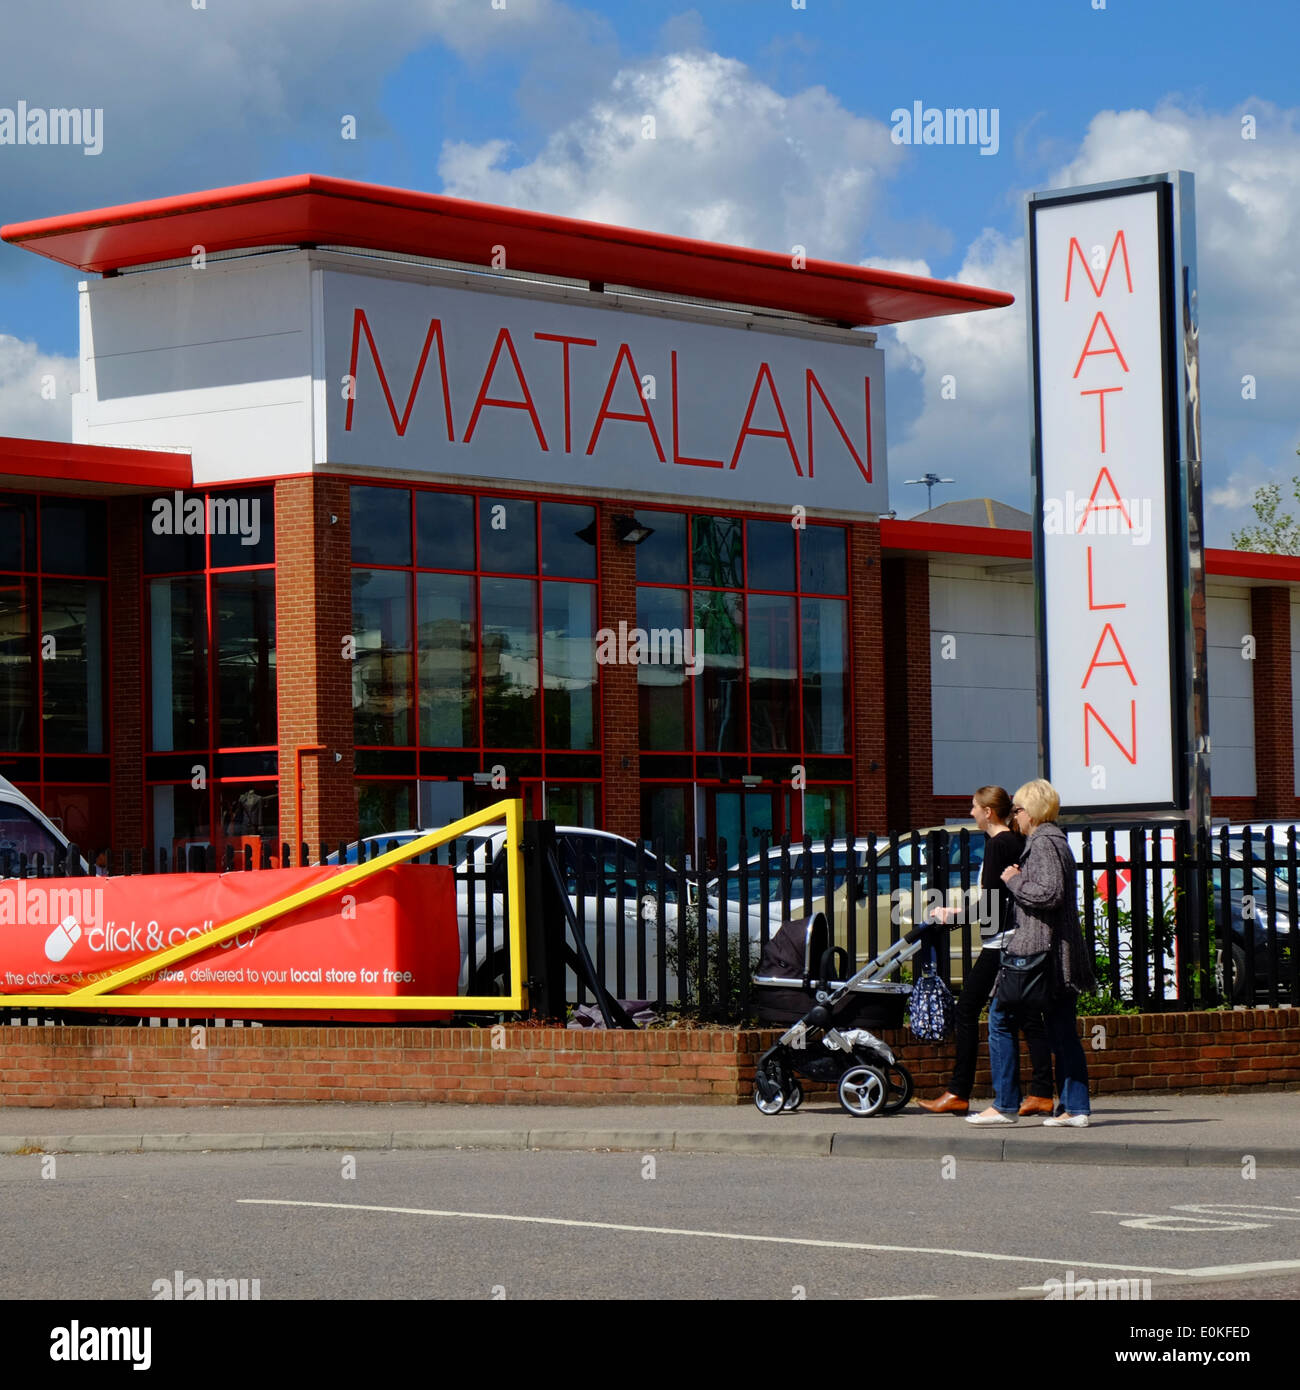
(1148, 1130)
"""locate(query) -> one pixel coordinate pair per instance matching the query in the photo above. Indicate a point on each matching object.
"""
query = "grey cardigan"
(1046, 911)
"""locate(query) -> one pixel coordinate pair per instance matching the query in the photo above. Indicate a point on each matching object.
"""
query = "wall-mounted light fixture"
(630, 531)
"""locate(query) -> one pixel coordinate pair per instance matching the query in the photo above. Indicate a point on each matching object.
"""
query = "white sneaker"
(1074, 1121)
(990, 1117)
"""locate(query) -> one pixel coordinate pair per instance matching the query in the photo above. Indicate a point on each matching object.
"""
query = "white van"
(26, 829)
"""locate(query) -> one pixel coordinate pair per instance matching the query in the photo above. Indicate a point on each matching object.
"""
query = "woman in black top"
(991, 810)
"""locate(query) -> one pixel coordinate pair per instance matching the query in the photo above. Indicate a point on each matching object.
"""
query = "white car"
(601, 882)
(26, 830)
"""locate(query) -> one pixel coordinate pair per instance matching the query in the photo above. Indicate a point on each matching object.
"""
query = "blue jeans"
(1062, 1035)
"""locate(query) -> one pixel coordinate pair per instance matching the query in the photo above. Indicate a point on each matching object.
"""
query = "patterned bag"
(933, 1009)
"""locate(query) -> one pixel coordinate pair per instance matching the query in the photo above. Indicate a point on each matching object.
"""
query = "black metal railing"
(1170, 923)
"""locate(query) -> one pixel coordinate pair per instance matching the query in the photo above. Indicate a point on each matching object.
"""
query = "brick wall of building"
(313, 552)
(81, 1067)
(867, 654)
(1270, 618)
(909, 740)
(619, 702)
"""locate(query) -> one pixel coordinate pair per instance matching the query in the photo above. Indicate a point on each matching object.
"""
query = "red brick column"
(619, 705)
(1270, 620)
(867, 639)
(126, 696)
(905, 594)
(313, 605)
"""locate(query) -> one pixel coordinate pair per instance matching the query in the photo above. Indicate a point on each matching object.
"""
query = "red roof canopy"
(937, 538)
(49, 466)
(314, 210)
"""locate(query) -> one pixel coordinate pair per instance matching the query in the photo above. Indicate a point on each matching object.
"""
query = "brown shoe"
(1036, 1105)
(947, 1104)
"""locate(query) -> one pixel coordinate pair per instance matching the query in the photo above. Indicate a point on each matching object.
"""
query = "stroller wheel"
(771, 1103)
(793, 1097)
(863, 1091)
(899, 1081)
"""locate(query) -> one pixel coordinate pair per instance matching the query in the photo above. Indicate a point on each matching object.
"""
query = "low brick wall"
(296, 1065)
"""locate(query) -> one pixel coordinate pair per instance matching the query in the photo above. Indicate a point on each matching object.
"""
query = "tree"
(1278, 532)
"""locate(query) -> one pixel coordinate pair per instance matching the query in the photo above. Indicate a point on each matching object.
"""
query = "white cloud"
(978, 432)
(731, 160)
(27, 376)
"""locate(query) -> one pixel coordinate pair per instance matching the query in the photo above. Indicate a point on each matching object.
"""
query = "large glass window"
(448, 659)
(569, 661)
(510, 683)
(54, 657)
(475, 652)
(663, 689)
(381, 672)
(768, 624)
(212, 756)
(72, 641)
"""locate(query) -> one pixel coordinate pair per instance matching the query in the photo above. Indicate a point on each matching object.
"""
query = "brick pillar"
(313, 605)
(1270, 620)
(867, 638)
(619, 705)
(905, 593)
(126, 697)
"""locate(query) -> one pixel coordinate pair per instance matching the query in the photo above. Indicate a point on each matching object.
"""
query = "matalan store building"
(385, 505)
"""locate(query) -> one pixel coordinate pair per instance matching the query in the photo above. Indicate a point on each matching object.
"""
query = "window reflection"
(381, 671)
(825, 675)
(663, 691)
(72, 622)
(18, 731)
(447, 647)
(244, 617)
(569, 664)
(178, 666)
(509, 655)
(716, 557)
(773, 683)
(720, 687)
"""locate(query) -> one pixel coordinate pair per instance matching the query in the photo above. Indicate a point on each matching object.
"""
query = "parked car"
(26, 829)
(600, 875)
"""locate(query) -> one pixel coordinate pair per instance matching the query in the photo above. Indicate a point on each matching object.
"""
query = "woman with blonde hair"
(990, 809)
(1044, 888)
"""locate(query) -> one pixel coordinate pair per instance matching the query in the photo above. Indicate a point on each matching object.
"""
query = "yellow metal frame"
(99, 992)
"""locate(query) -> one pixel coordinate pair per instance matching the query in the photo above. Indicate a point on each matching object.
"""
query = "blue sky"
(773, 128)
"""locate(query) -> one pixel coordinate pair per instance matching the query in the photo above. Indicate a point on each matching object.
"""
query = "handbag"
(933, 1010)
(1025, 982)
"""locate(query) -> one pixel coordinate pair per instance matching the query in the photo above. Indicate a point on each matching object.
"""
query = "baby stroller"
(802, 985)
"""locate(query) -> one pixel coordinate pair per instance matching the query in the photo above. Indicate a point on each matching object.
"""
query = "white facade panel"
(573, 389)
(984, 701)
(216, 361)
(1232, 695)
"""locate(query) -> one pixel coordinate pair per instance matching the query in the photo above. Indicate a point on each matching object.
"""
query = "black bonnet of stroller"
(800, 957)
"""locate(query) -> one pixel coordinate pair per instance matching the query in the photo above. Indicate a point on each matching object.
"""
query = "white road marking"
(1188, 1225)
(720, 1235)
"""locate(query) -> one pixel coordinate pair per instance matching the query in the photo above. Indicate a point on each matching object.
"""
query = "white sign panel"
(537, 391)
(1100, 374)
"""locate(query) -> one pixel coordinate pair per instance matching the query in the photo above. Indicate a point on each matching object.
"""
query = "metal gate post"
(544, 923)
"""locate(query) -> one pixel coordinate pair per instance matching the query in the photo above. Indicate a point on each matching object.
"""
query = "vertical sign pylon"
(1117, 497)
